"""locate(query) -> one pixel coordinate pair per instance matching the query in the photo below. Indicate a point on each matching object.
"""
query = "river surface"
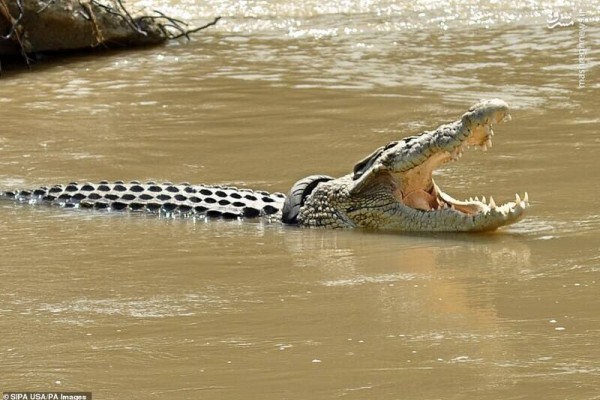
(137, 307)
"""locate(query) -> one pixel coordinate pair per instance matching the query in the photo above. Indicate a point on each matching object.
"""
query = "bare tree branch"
(190, 31)
(14, 29)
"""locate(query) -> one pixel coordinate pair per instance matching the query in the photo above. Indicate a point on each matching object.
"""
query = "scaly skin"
(390, 190)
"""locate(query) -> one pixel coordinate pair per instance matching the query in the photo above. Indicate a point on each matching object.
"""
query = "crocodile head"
(393, 188)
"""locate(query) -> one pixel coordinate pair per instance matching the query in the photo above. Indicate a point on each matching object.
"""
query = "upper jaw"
(434, 147)
(412, 160)
(449, 141)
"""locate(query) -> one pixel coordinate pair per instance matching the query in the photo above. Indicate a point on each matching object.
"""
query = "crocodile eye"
(409, 139)
(390, 145)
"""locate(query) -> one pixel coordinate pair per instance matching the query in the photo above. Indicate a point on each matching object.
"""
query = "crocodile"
(392, 189)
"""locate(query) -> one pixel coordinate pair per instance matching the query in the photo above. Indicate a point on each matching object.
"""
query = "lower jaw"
(436, 199)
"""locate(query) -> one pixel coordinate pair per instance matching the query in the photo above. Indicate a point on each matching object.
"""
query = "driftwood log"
(29, 27)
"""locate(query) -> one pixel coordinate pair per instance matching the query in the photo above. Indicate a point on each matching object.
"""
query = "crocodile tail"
(297, 195)
(150, 197)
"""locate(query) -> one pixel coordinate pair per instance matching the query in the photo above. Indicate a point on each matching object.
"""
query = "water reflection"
(421, 294)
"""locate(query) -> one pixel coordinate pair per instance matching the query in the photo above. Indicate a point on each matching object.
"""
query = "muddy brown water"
(147, 308)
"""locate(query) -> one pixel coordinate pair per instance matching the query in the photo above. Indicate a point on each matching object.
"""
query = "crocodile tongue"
(420, 200)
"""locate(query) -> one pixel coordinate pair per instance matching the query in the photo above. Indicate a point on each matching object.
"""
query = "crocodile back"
(157, 198)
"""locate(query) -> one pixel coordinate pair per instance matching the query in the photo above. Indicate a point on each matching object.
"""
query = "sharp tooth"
(484, 147)
(470, 199)
(483, 200)
(476, 198)
(518, 198)
(488, 143)
(526, 198)
(492, 202)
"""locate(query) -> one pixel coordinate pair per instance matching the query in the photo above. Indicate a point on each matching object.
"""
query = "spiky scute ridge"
(164, 198)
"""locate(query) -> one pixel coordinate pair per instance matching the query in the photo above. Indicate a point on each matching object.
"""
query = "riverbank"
(31, 27)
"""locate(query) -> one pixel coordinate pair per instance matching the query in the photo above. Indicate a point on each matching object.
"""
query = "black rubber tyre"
(297, 195)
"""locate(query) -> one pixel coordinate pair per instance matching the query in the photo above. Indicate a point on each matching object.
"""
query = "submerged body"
(392, 189)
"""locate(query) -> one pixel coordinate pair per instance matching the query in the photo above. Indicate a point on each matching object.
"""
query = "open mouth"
(417, 189)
